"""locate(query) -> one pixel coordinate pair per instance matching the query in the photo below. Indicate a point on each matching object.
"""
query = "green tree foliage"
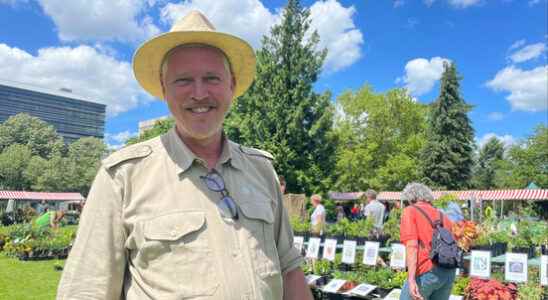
(526, 162)
(13, 162)
(448, 153)
(380, 138)
(84, 157)
(36, 158)
(281, 113)
(489, 160)
(160, 127)
(39, 136)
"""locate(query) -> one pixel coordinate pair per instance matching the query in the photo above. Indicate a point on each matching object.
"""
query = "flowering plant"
(490, 289)
(465, 233)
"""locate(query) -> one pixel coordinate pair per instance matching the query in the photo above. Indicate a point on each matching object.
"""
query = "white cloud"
(82, 20)
(251, 20)
(411, 23)
(455, 3)
(528, 88)
(82, 69)
(528, 52)
(463, 3)
(517, 44)
(120, 137)
(398, 3)
(421, 74)
(533, 2)
(495, 116)
(507, 140)
(338, 33)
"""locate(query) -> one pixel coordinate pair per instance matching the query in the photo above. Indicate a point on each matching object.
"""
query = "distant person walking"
(317, 219)
(374, 209)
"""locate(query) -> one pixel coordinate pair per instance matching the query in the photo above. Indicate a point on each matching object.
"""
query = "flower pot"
(525, 250)
(382, 292)
(500, 248)
(332, 296)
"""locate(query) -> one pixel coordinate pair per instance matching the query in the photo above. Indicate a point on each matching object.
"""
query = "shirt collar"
(183, 157)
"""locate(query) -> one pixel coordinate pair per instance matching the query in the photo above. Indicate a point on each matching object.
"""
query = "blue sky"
(499, 47)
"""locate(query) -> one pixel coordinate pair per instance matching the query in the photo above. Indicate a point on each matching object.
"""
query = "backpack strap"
(425, 215)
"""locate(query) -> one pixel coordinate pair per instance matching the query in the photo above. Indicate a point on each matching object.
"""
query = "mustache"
(199, 103)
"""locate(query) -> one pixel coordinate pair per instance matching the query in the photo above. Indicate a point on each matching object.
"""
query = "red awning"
(22, 195)
(523, 194)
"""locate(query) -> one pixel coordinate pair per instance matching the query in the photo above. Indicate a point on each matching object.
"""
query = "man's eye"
(213, 78)
(182, 80)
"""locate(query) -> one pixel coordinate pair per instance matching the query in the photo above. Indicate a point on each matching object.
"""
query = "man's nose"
(199, 90)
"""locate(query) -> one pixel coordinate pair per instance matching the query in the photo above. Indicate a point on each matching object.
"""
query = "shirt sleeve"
(290, 257)
(408, 227)
(97, 262)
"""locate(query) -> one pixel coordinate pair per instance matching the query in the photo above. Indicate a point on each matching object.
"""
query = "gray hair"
(163, 67)
(415, 191)
(371, 194)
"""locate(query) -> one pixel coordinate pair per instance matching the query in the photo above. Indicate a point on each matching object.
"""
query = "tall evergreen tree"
(447, 156)
(489, 159)
(280, 113)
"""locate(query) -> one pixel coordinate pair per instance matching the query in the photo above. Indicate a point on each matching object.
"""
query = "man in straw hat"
(190, 214)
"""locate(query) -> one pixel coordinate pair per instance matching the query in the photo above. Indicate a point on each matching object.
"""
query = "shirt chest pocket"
(258, 218)
(175, 255)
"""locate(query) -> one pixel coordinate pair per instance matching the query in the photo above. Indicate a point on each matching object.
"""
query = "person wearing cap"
(189, 214)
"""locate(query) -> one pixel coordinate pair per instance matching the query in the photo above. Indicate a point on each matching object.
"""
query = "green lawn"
(22, 280)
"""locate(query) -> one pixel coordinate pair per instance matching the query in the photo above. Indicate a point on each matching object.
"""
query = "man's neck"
(209, 149)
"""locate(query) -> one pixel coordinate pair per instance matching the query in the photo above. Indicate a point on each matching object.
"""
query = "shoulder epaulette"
(125, 154)
(256, 152)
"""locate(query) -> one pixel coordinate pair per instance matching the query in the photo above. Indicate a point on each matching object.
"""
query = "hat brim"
(148, 58)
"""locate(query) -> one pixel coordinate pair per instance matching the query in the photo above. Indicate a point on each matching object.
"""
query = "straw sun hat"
(194, 28)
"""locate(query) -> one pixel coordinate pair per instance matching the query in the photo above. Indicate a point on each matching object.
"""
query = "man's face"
(198, 90)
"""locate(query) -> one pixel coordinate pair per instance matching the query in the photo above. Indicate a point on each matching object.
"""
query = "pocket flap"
(173, 226)
(258, 211)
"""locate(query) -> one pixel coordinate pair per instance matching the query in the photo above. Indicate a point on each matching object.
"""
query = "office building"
(72, 116)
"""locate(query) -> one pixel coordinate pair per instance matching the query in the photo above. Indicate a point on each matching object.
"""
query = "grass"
(22, 280)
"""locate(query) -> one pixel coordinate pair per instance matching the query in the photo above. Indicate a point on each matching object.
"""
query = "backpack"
(445, 253)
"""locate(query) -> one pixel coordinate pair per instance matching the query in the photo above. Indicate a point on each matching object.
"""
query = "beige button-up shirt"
(151, 228)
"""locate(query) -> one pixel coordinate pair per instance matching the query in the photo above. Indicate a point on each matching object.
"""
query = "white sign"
(313, 247)
(298, 243)
(516, 267)
(370, 253)
(334, 285)
(397, 256)
(453, 297)
(361, 290)
(480, 264)
(349, 252)
(393, 295)
(311, 279)
(329, 249)
(544, 270)
(457, 272)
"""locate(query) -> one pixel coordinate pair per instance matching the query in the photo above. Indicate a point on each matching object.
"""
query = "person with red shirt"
(425, 280)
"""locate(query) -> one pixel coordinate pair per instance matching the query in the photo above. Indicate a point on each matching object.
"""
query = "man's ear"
(163, 87)
(233, 82)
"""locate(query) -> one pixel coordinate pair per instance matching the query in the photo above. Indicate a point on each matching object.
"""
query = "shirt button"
(173, 233)
(234, 254)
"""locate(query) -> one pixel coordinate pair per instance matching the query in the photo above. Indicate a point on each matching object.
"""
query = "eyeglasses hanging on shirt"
(227, 206)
